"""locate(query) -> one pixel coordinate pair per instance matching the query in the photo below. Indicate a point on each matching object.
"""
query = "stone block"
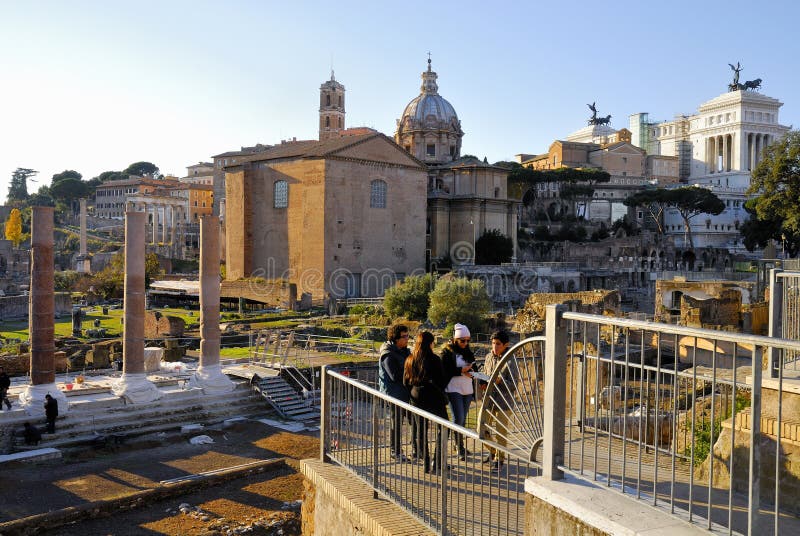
(98, 356)
(152, 358)
(157, 325)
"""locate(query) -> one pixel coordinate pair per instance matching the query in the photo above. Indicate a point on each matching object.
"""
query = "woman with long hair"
(424, 377)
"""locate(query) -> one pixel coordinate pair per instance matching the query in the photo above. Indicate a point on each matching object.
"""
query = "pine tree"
(18, 189)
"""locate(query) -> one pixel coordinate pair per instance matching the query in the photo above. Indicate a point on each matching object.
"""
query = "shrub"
(410, 298)
(459, 300)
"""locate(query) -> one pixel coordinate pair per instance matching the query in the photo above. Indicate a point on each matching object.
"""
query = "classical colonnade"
(133, 385)
(722, 154)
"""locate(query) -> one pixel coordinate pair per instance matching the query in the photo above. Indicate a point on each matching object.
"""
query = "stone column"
(164, 225)
(155, 223)
(757, 150)
(134, 385)
(84, 265)
(41, 322)
(209, 376)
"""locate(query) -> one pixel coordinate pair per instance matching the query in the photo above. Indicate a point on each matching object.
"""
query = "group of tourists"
(433, 382)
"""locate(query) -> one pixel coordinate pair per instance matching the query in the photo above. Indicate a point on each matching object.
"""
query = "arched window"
(281, 194)
(340, 123)
(377, 196)
(327, 122)
(327, 100)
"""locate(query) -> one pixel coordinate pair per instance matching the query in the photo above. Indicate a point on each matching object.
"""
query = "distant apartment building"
(173, 207)
(200, 173)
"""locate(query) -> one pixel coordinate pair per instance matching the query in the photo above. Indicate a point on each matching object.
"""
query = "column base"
(32, 399)
(211, 380)
(136, 388)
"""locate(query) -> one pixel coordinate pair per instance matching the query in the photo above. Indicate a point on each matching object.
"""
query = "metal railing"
(406, 455)
(784, 317)
(673, 416)
(669, 415)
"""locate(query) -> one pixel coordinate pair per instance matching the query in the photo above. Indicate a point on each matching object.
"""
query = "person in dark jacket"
(5, 384)
(424, 377)
(32, 435)
(458, 361)
(50, 412)
(391, 363)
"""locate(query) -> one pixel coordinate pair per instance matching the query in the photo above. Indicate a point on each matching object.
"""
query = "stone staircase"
(285, 399)
(106, 419)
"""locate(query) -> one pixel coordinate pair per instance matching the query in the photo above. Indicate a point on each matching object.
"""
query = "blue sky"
(95, 86)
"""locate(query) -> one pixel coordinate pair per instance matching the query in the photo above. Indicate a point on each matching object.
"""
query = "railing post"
(324, 416)
(775, 321)
(754, 491)
(441, 462)
(555, 392)
(375, 437)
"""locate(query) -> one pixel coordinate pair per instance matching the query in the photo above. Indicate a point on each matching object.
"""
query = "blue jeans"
(459, 405)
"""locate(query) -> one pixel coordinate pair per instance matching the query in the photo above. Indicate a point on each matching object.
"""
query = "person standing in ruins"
(50, 412)
(5, 384)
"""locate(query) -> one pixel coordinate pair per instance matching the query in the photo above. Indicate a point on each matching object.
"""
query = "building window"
(340, 123)
(430, 150)
(408, 149)
(327, 122)
(340, 101)
(281, 194)
(453, 151)
(327, 100)
(377, 195)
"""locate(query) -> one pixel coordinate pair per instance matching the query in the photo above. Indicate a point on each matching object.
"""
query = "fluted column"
(209, 374)
(134, 385)
(41, 314)
(164, 224)
(152, 210)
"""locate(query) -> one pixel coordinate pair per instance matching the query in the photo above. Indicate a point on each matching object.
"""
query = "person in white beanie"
(458, 360)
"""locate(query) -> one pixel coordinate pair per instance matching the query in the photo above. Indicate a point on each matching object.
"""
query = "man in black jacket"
(391, 364)
(5, 383)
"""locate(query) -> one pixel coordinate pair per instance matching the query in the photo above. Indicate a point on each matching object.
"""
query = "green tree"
(41, 198)
(18, 189)
(67, 191)
(110, 281)
(65, 281)
(493, 247)
(140, 169)
(692, 201)
(758, 232)
(458, 299)
(66, 174)
(689, 201)
(410, 297)
(776, 182)
(13, 228)
(655, 201)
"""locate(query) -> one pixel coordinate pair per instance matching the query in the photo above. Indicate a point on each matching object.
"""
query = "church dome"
(429, 108)
(429, 127)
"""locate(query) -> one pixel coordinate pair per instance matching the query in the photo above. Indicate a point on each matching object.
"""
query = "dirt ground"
(262, 503)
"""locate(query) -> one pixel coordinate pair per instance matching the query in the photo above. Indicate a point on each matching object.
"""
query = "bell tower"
(331, 108)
